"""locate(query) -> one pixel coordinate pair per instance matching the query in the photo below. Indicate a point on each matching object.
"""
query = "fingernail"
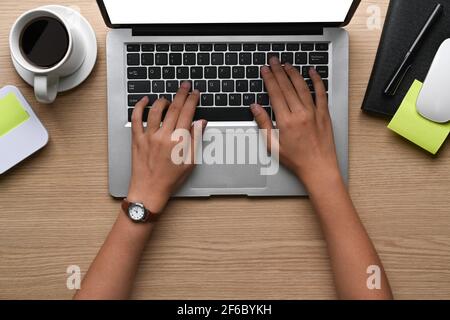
(265, 69)
(196, 91)
(274, 60)
(255, 109)
(312, 70)
(144, 98)
(186, 85)
(287, 65)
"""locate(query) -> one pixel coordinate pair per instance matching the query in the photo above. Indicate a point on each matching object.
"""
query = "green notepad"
(12, 114)
(408, 123)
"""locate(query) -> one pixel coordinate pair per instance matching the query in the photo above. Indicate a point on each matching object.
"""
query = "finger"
(155, 115)
(196, 138)
(285, 84)
(170, 121)
(319, 88)
(263, 120)
(300, 85)
(279, 104)
(188, 110)
(137, 127)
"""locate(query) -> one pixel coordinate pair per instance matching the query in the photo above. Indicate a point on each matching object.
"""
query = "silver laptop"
(220, 47)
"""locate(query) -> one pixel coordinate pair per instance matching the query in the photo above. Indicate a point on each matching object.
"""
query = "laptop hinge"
(220, 30)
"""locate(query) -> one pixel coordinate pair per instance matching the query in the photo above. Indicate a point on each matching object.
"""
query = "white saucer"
(90, 44)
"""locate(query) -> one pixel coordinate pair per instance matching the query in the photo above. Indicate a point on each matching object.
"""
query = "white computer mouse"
(433, 102)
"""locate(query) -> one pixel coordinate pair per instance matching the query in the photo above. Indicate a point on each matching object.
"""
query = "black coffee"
(44, 42)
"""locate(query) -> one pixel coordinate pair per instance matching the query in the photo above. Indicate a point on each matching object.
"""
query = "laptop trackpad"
(227, 176)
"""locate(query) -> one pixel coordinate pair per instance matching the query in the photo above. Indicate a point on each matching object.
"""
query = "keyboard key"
(322, 46)
(166, 96)
(200, 85)
(307, 46)
(206, 47)
(293, 47)
(162, 47)
(154, 72)
(235, 47)
(161, 59)
(144, 114)
(137, 73)
(134, 98)
(252, 72)
(272, 54)
(158, 86)
(148, 47)
(318, 58)
(189, 59)
(227, 85)
(262, 99)
(196, 72)
(278, 47)
(168, 73)
(256, 86)
(235, 99)
(323, 71)
(176, 47)
(231, 59)
(217, 58)
(182, 72)
(133, 59)
(263, 46)
(220, 47)
(245, 58)
(325, 83)
(305, 71)
(191, 47)
(224, 72)
(301, 58)
(287, 57)
(172, 86)
(175, 59)
(221, 100)
(206, 100)
(242, 86)
(214, 86)
(238, 72)
(133, 47)
(259, 58)
(138, 86)
(203, 59)
(248, 99)
(249, 47)
(225, 114)
(147, 59)
(210, 72)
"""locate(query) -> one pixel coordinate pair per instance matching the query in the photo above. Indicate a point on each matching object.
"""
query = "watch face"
(136, 212)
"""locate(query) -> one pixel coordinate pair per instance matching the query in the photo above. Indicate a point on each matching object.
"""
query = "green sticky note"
(408, 123)
(12, 114)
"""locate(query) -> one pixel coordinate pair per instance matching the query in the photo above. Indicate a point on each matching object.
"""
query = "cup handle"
(46, 88)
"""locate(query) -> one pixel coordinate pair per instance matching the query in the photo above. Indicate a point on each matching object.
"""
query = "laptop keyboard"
(226, 74)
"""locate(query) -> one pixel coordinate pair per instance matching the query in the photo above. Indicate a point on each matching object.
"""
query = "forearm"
(112, 273)
(350, 248)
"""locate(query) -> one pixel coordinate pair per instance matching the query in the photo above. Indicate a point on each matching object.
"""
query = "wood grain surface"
(55, 209)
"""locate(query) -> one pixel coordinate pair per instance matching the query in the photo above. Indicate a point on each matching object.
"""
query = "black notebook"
(404, 20)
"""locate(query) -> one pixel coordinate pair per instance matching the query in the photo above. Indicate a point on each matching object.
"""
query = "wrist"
(320, 178)
(154, 201)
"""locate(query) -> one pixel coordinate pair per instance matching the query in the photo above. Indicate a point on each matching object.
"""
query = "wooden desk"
(55, 210)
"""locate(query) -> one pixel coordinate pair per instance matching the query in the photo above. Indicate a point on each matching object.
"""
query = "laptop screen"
(226, 11)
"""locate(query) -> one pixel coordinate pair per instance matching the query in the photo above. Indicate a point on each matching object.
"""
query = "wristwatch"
(137, 212)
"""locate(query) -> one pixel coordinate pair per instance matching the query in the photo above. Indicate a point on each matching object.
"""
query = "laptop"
(220, 47)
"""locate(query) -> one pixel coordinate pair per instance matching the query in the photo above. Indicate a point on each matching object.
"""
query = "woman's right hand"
(306, 143)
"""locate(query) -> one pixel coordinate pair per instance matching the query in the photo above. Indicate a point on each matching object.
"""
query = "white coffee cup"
(46, 80)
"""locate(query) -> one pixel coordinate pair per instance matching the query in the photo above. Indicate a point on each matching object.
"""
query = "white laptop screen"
(226, 11)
